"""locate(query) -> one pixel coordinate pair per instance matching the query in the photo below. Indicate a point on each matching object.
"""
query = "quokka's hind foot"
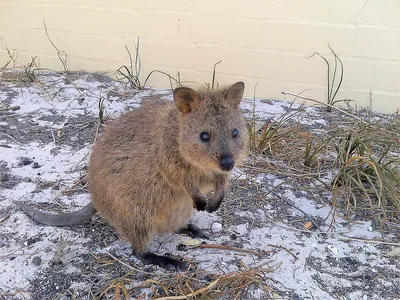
(194, 231)
(165, 262)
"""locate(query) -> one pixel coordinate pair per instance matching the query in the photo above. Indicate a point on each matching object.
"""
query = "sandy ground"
(44, 148)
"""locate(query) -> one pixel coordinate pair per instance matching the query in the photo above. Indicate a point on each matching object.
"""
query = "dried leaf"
(117, 292)
(308, 225)
(394, 252)
(191, 242)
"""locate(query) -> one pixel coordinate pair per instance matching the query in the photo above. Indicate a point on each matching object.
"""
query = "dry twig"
(222, 247)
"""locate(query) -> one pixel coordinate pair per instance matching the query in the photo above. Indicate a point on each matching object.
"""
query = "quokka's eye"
(235, 133)
(204, 136)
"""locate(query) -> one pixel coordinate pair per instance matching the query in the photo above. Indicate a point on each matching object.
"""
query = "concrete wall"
(265, 40)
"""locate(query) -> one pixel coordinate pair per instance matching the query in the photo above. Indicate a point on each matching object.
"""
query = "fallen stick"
(343, 237)
(222, 247)
(14, 108)
(286, 249)
(5, 217)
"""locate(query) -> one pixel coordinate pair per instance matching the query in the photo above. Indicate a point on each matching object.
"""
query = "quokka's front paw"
(200, 204)
(213, 205)
(211, 208)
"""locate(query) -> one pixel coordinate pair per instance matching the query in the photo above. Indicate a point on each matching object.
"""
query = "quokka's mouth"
(224, 169)
(216, 166)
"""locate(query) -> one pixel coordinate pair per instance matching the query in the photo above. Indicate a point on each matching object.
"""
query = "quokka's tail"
(69, 219)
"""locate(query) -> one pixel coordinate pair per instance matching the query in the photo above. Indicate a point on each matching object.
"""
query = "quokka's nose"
(226, 162)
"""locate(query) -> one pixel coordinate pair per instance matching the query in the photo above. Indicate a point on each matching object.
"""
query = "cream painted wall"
(265, 40)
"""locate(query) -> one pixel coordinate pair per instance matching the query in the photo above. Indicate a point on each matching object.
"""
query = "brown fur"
(149, 169)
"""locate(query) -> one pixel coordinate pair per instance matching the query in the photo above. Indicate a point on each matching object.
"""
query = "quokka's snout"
(226, 162)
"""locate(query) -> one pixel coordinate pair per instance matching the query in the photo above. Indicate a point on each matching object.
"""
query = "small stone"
(36, 261)
(233, 236)
(216, 227)
(333, 250)
(31, 241)
(4, 177)
(57, 262)
(74, 139)
(36, 165)
(24, 161)
(182, 247)
(13, 127)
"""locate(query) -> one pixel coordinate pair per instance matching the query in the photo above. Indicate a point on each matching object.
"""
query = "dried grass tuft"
(202, 285)
(368, 177)
(363, 155)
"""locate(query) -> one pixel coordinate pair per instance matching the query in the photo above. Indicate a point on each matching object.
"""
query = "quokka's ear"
(235, 94)
(186, 99)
